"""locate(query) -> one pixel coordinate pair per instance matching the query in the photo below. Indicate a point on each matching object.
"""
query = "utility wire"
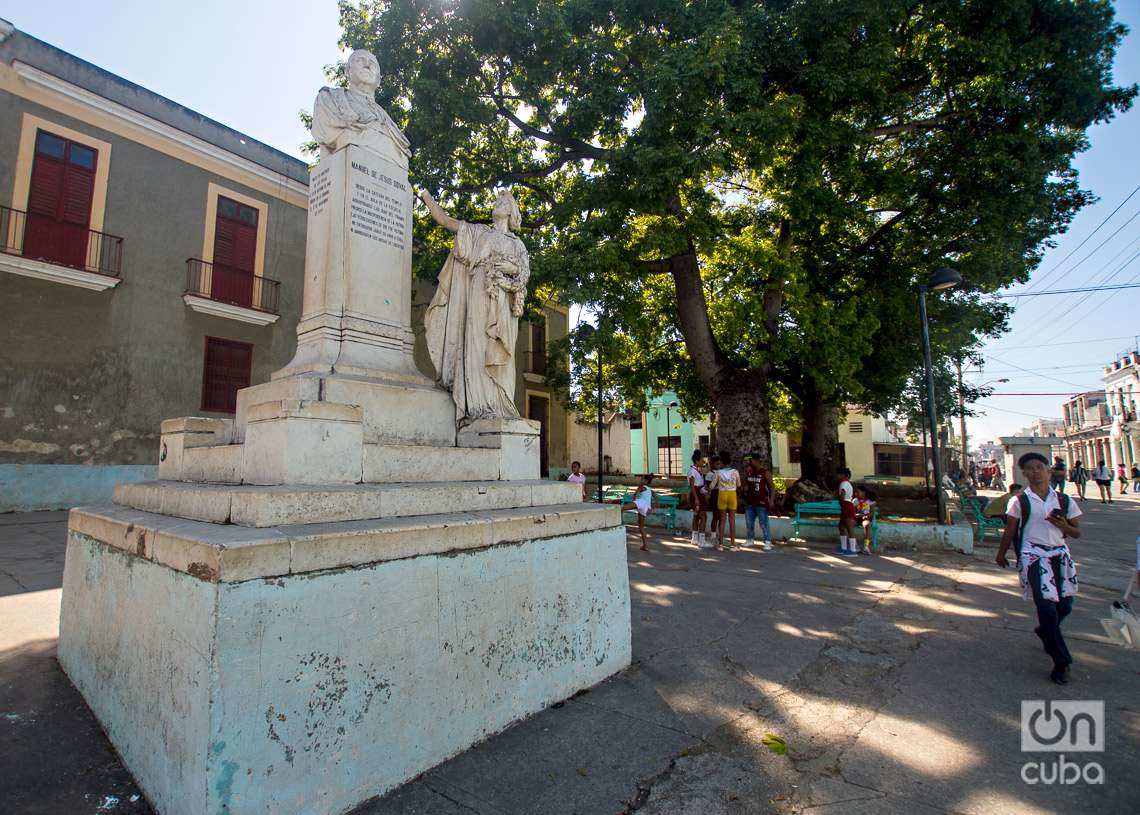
(1070, 291)
(1088, 238)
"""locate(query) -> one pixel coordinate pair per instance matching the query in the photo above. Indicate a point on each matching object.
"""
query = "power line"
(1119, 269)
(1069, 291)
(1035, 373)
(1073, 342)
(1088, 238)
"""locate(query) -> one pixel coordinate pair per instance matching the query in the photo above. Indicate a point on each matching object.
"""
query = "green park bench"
(881, 479)
(810, 513)
(976, 507)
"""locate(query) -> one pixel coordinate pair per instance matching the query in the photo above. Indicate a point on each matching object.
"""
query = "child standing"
(712, 492)
(643, 502)
(848, 547)
(698, 499)
(864, 509)
(577, 476)
(758, 498)
(727, 482)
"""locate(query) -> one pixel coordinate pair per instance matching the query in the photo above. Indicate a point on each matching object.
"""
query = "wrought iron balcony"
(235, 287)
(44, 238)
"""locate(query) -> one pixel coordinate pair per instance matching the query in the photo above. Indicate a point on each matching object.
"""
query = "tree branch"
(883, 229)
(577, 146)
(933, 123)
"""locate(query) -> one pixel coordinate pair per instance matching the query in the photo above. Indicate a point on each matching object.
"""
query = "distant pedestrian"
(848, 546)
(577, 476)
(713, 493)
(1122, 477)
(1103, 478)
(1135, 478)
(643, 502)
(1079, 475)
(1057, 475)
(698, 499)
(1037, 522)
(759, 490)
(998, 482)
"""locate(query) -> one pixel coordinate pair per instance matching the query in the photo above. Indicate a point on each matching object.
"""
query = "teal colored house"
(662, 441)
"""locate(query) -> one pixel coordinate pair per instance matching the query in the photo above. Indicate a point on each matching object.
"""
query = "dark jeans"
(751, 513)
(1050, 614)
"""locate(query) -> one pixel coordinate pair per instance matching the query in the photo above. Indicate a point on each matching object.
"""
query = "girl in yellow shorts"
(727, 482)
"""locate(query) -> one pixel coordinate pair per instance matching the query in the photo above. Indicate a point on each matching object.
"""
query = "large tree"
(750, 191)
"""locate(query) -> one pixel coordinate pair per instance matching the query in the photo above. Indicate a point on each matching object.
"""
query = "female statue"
(472, 322)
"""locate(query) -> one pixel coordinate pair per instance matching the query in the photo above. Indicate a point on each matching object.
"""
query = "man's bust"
(344, 116)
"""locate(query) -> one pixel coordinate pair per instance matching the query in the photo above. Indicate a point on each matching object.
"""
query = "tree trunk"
(744, 425)
(739, 394)
(819, 447)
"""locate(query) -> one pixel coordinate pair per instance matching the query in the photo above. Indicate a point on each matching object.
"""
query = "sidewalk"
(895, 682)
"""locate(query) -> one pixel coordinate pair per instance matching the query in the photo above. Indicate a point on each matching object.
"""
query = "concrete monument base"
(306, 669)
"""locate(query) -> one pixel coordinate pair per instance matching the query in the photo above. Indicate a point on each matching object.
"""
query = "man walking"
(1057, 475)
(1037, 522)
(758, 494)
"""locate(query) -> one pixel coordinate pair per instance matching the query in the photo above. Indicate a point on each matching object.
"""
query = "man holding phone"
(1038, 521)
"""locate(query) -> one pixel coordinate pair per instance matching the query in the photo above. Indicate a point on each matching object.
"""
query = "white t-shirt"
(696, 477)
(643, 500)
(1039, 531)
(580, 478)
(846, 491)
(1102, 474)
(728, 479)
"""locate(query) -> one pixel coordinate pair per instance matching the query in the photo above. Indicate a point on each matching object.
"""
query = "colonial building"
(1087, 425)
(1121, 389)
(151, 264)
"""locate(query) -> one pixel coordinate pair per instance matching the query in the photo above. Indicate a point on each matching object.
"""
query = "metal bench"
(806, 512)
(881, 479)
(983, 524)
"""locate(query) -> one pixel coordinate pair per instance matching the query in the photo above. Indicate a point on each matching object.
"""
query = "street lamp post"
(943, 278)
(587, 333)
(669, 438)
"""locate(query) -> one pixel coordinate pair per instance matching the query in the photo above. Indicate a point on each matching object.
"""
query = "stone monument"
(295, 618)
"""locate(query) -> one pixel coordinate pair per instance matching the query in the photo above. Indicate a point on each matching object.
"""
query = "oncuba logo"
(1061, 726)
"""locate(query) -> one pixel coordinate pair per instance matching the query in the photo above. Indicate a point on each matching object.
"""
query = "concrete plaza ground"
(895, 682)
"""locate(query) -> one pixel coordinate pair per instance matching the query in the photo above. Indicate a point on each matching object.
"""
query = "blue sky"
(253, 64)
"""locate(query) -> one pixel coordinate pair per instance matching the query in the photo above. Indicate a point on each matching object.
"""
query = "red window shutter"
(235, 242)
(46, 187)
(78, 189)
(227, 369)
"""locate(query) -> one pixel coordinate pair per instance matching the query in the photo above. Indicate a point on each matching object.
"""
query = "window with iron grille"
(225, 371)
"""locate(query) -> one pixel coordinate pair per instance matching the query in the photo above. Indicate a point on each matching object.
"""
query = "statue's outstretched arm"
(441, 217)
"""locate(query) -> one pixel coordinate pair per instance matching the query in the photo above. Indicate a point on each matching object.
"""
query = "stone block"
(185, 433)
(298, 442)
(220, 465)
(393, 463)
(397, 413)
(271, 506)
(238, 694)
(491, 432)
(303, 388)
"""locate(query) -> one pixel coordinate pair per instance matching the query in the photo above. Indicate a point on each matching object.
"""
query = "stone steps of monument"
(260, 506)
(382, 463)
(228, 553)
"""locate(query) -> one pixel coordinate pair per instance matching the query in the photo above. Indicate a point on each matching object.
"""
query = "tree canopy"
(748, 193)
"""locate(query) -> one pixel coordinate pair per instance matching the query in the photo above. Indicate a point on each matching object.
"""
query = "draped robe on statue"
(470, 330)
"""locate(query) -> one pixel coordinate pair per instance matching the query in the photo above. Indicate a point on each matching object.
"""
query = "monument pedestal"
(301, 613)
(305, 669)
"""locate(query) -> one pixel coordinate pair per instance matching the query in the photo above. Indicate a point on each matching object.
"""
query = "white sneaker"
(749, 542)
(767, 546)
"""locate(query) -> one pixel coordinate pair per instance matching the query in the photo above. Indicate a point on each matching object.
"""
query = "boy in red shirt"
(758, 492)
(848, 547)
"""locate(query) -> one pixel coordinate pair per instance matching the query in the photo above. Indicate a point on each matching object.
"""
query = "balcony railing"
(225, 284)
(536, 362)
(39, 237)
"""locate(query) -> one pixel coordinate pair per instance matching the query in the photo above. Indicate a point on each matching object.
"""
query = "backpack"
(1023, 502)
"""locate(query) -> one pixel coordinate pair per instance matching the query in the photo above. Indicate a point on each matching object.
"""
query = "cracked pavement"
(895, 682)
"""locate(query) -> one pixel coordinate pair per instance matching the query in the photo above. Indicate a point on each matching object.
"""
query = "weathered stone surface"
(237, 695)
(490, 432)
(305, 388)
(250, 505)
(220, 465)
(298, 442)
(392, 463)
(397, 412)
(230, 553)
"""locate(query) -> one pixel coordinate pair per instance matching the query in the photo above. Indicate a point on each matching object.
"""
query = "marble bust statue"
(343, 116)
(472, 322)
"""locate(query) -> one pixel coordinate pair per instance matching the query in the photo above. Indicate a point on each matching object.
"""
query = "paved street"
(894, 681)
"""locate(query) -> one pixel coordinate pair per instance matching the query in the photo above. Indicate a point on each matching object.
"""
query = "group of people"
(1102, 475)
(713, 489)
